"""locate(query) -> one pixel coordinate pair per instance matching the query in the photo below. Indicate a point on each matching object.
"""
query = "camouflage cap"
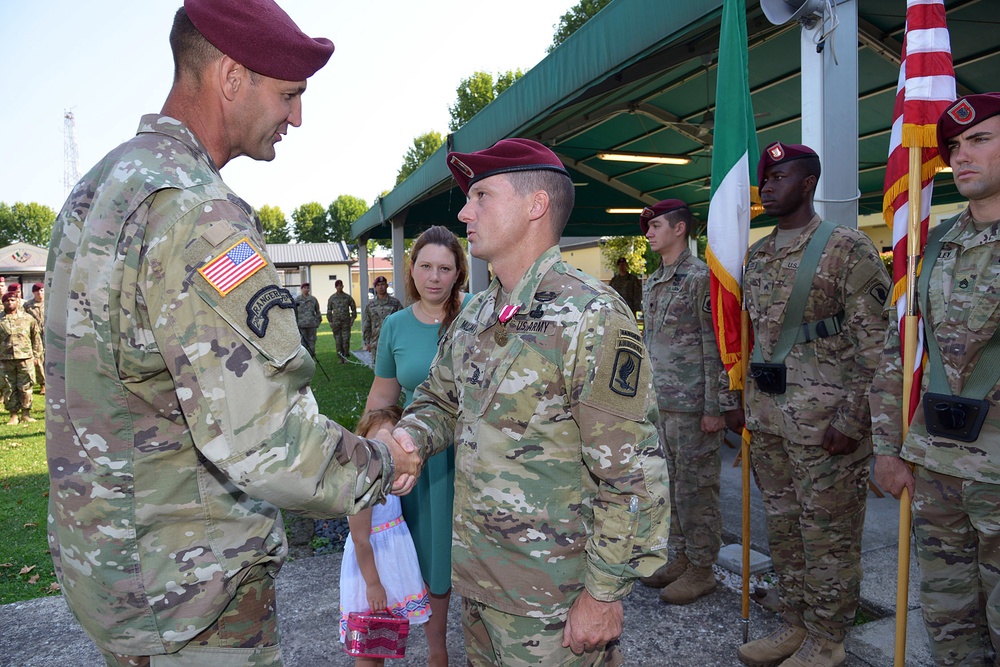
(964, 113)
(261, 36)
(505, 156)
(778, 153)
(658, 209)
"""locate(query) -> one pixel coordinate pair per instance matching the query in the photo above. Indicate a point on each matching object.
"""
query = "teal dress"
(406, 349)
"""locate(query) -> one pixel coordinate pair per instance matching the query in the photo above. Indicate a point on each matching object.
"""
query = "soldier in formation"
(953, 443)
(543, 384)
(807, 406)
(36, 308)
(180, 417)
(692, 390)
(20, 345)
(308, 316)
(341, 313)
(628, 286)
(379, 308)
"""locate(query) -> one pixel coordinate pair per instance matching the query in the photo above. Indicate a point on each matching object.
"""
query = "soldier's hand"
(735, 420)
(893, 474)
(591, 623)
(835, 442)
(405, 457)
(712, 424)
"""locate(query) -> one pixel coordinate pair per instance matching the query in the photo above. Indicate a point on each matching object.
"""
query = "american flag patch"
(227, 271)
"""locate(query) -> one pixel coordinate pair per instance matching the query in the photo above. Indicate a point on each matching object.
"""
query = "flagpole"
(909, 363)
(745, 471)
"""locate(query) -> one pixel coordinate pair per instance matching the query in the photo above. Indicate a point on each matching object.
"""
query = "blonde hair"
(375, 417)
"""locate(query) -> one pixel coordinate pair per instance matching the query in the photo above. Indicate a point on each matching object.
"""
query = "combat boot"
(26, 417)
(776, 647)
(816, 651)
(696, 582)
(667, 574)
(13, 419)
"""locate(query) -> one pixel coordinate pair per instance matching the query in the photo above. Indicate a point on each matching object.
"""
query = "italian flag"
(733, 187)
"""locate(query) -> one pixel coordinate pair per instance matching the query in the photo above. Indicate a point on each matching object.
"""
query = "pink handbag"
(376, 634)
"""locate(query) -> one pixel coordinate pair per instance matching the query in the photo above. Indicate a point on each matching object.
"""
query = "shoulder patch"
(706, 307)
(261, 302)
(628, 361)
(227, 271)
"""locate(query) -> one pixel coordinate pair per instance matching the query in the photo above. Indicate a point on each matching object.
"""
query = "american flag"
(926, 88)
(231, 268)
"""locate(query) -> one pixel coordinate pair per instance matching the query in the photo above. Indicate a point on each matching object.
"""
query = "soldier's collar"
(524, 290)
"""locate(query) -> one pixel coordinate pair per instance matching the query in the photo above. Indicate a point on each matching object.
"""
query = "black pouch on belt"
(770, 378)
(954, 417)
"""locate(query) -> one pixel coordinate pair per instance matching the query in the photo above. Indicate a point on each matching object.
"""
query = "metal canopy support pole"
(398, 262)
(830, 113)
(479, 274)
(363, 276)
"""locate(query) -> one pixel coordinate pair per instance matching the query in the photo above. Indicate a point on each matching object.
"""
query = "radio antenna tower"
(71, 158)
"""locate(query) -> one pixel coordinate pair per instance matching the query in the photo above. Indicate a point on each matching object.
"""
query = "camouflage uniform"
(341, 313)
(560, 481)
(179, 417)
(308, 317)
(690, 383)
(375, 313)
(629, 288)
(815, 502)
(957, 493)
(20, 343)
(37, 310)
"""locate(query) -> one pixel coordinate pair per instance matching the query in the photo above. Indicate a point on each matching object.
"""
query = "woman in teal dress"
(406, 347)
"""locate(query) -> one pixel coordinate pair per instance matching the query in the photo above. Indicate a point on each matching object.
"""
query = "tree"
(275, 224)
(344, 210)
(632, 248)
(311, 223)
(476, 92)
(29, 223)
(423, 147)
(571, 21)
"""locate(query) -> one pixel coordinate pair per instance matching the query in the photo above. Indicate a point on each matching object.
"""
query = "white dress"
(398, 569)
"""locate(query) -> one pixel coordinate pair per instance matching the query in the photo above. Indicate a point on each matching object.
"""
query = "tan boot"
(696, 582)
(13, 419)
(667, 574)
(817, 651)
(26, 417)
(773, 649)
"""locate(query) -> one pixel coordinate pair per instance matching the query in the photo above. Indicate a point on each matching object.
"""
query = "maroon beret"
(261, 36)
(304, 285)
(656, 210)
(963, 114)
(381, 279)
(778, 152)
(7, 296)
(13, 287)
(503, 157)
(37, 286)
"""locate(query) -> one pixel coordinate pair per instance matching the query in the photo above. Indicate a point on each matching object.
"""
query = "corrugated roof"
(309, 253)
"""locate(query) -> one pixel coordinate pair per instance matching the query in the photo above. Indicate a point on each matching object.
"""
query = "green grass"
(26, 570)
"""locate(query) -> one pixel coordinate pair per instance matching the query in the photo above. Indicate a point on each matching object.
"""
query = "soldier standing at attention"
(379, 308)
(544, 385)
(179, 417)
(955, 482)
(308, 317)
(628, 286)
(692, 390)
(824, 286)
(36, 308)
(341, 313)
(20, 344)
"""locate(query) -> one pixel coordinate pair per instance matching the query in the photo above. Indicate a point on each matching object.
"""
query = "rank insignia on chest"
(628, 360)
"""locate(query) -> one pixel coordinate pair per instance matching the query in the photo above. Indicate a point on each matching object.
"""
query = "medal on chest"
(507, 313)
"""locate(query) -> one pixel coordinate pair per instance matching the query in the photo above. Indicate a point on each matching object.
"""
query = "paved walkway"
(42, 632)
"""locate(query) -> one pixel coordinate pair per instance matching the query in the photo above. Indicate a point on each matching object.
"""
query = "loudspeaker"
(806, 12)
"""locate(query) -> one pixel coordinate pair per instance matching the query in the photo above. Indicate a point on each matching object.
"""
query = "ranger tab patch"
(228, 271)
(628, 360)
(263, 301)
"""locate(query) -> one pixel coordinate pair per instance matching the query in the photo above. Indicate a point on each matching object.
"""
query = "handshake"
(405, 457)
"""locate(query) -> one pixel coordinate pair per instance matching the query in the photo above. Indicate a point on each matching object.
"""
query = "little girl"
(380, 570)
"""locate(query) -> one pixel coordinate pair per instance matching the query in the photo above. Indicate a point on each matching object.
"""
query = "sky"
(392, 77)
